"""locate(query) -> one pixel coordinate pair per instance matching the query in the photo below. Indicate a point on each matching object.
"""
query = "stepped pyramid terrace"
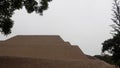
(45, 51)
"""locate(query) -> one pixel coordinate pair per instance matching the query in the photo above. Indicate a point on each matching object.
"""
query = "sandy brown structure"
(30, 51)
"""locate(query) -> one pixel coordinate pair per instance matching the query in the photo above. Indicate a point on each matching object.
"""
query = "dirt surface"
(28, 51)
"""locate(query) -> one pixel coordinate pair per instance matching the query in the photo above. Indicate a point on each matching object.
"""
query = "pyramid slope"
(41, 51)
(50, 47)
(35, 40)
(18, 62)
(49, 52)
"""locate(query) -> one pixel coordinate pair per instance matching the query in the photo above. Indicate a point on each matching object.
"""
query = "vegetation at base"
(105, 58)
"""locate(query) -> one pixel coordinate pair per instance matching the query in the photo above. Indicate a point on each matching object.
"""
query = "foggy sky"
(81, 22)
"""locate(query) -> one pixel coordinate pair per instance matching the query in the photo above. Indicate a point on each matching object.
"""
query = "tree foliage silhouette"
(7, 8)
(112, 45)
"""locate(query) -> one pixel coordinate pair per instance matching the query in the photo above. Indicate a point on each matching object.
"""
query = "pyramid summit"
(44, 51)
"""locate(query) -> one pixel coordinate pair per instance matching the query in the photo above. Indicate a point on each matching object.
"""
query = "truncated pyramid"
(41, 51)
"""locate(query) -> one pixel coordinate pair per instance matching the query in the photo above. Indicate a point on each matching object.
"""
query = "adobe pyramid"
(44, 51)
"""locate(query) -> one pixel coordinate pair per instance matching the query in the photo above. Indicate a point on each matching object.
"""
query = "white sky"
(81, 22)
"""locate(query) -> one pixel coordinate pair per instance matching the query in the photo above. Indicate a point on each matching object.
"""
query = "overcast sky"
(81, 22)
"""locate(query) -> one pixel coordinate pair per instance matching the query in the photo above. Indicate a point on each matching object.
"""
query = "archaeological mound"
(45, 51)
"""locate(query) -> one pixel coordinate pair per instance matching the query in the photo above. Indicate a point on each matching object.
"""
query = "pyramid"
(44, 51)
